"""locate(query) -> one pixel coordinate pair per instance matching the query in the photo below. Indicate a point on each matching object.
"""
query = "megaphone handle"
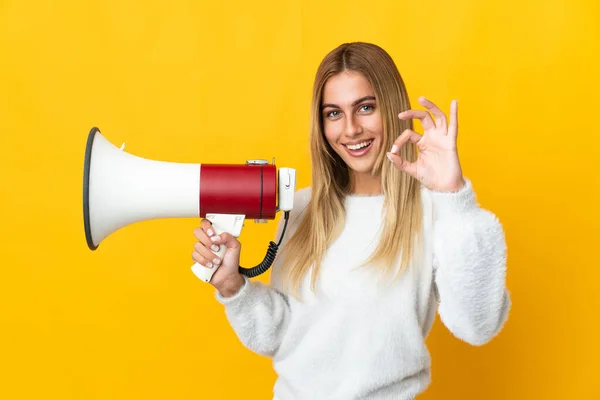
(205, 274)
(231, 223)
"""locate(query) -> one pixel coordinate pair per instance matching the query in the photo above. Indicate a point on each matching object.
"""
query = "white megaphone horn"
(120, 189)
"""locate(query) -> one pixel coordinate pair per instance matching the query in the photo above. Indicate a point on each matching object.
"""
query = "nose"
(352, 126)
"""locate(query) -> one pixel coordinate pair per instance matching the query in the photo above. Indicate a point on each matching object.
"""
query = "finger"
(422, 115)
(407, 136)
(203, 260)
(227, 239)
(200, 234)
(403, 165)
(207, 226)
(203, 238)
(209, 257)
(204, 241)
(441, 121)
(453, 127)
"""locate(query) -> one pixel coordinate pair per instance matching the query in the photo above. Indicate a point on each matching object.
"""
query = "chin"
(361, 167)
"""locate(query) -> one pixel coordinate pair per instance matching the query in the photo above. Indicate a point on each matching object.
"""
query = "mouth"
(359, 149)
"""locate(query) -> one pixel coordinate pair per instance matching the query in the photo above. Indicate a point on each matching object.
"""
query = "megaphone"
(120, 189)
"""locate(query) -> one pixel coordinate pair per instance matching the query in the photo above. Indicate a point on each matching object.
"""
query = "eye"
(332, 114)
(366, 108)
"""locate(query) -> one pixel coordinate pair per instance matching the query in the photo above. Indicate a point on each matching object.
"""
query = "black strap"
(261, 191)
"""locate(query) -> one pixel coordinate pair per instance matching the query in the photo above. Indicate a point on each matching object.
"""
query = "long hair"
(324, 215)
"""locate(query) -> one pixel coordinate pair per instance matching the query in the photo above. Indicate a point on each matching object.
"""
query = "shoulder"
(301, 200)
(302, 196)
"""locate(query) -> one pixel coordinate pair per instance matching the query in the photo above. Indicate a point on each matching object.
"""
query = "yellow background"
(207, 82)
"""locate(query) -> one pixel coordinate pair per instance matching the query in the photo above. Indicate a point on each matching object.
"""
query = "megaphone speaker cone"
(120, 189)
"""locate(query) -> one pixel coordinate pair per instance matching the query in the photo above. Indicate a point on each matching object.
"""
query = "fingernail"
(389, 156)
(215, 238)
(209, 265)
(210, 232)
(217, 261)
(394, 149)
(214, 247)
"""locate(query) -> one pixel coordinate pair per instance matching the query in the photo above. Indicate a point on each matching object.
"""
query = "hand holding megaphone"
(216, 234)
(217, 254)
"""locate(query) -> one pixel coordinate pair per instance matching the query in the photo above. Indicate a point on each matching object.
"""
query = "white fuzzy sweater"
(354, 339)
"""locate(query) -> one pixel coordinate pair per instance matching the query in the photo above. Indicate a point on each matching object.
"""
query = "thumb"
(226, 239)
(403, 165)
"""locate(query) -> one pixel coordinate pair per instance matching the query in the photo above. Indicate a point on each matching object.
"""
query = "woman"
(383, 238)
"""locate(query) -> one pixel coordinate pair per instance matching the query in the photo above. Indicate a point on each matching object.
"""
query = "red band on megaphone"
(238, 189)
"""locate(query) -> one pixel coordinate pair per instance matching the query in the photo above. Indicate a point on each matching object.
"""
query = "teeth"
(359, 146)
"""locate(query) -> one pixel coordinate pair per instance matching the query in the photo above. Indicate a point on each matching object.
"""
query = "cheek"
(332, 132)
(374, 124)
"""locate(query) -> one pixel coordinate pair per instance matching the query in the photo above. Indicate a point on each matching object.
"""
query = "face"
(352, 121)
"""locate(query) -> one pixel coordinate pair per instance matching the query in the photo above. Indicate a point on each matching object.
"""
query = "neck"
(364, 183)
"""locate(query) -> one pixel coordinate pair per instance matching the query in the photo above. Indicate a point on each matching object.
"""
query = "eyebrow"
(353, 104)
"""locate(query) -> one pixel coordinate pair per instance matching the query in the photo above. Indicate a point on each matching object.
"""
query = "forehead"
(345, 87)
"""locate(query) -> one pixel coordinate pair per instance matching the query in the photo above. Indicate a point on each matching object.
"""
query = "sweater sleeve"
(469, 265)
(258, 313)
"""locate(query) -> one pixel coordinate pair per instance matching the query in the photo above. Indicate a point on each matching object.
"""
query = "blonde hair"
(324, 215)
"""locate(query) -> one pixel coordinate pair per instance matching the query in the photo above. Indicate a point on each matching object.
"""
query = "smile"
(359, 149)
